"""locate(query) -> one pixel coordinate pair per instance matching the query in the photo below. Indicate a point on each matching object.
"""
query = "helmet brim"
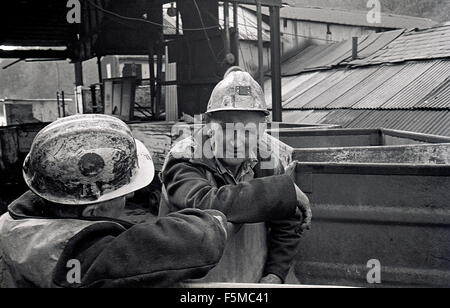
(266, 112)
(142, 177)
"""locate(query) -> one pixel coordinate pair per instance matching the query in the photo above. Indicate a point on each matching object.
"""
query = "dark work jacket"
(191, 182)
(36, 249)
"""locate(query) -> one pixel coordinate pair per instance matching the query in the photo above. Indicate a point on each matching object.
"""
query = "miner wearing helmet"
(228, 171)
(65, 231)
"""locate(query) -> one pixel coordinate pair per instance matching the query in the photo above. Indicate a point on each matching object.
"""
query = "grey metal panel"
(397, 214)
(376, 41)
(307, 85)
(331, 56)
(305, 58)
(302, 81)
(436, 154)
(389, 88)
(342, 116)
(297, 116)
(353, 18)
(316, 117)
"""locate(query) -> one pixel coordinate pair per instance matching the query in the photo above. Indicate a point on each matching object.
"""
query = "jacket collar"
(31, 206)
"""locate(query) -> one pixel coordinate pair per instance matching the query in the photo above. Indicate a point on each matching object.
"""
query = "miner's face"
(235, 135)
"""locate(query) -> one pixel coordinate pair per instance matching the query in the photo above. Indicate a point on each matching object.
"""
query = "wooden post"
(355, 48)
(260, 45)
(226, 16)
(151, 63)
(79, 74)
(99, 68)
(159, 66)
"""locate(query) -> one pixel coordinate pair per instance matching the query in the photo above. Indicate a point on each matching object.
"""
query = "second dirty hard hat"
(87, 159)
(237, 91)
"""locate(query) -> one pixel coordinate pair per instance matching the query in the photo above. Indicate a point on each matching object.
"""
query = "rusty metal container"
(376, 195)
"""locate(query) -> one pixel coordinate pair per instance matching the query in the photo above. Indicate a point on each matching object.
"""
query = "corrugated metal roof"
(372, 43)
(353, 18)
(365, 86)
(409, 89)
(296, 116)
(440, 99)
(342, 116)
(303, 86)
(427, 122)
(377, 48)
(389, 88)
(317, 57)
(413, 45)
(299, 101)
(373, 87)
(308, 59)
(351, 78)
(420, 88)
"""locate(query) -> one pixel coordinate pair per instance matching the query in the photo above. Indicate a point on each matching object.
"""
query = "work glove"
(303, 203)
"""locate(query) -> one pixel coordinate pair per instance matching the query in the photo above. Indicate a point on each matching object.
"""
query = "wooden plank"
(19, 114)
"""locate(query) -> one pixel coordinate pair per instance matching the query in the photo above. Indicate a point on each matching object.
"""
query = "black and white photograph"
(229, 152)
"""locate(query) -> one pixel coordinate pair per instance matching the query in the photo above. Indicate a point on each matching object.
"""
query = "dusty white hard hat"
(237, 91)
(87, 159)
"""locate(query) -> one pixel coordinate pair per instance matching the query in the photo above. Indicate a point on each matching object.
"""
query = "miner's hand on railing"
(290, 169)
(305, 207)
(271, 279)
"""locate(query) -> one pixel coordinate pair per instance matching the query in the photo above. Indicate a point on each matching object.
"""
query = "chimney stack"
(355, 48)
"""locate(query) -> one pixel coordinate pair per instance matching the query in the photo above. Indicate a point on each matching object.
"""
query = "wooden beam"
(275, 43)
(35, 54)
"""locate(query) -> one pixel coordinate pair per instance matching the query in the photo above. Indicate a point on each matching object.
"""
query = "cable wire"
(145, 20)
(191, 29)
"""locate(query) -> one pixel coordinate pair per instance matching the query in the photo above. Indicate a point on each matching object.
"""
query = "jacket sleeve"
(259, 200)
(162, 253)
(283, 240)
